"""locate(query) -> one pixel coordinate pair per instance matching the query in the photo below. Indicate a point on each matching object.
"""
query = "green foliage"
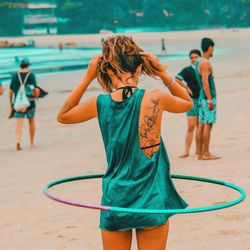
(10, 18)
(90, 16)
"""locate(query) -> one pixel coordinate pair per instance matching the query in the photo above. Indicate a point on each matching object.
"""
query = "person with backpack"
(23, 91)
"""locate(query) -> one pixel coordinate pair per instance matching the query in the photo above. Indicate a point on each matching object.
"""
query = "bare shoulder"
(205, 63)
(155, 94)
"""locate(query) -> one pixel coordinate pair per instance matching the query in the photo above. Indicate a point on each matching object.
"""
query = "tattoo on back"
(148, 134)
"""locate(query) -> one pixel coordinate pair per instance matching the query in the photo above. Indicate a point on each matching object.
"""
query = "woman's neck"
(124, 82)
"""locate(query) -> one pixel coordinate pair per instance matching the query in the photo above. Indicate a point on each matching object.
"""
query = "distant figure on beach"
(130, 119)
(17, 61)
(163, 47)
(60, 46)
(187, 79)
(207, 100)
(31, 42)
(24, 76)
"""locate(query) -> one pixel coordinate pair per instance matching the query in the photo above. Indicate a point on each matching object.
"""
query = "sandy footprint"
(49, 232)
(228, 232)
(233, 217)
(71, 227)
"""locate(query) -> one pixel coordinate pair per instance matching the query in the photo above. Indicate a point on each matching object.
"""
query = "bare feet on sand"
(199, 156)
(33, 145)
(184, 155)
(208, 157)
(18, 146)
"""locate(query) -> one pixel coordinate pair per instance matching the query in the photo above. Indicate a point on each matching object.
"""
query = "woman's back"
(135, 178)
(137, 174)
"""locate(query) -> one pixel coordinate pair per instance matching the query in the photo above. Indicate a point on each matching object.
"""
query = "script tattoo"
(148, 134)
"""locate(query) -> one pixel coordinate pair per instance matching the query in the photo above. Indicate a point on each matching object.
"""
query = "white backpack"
(21, 102)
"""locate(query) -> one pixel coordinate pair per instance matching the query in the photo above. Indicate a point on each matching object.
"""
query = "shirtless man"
(207, 100)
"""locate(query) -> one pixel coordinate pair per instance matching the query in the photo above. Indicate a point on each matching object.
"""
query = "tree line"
(91, 16)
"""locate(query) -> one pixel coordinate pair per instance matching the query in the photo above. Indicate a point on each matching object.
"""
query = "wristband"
(171, 82)
(210, 101)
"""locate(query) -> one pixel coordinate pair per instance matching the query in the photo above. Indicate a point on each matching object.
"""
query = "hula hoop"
(148, 211)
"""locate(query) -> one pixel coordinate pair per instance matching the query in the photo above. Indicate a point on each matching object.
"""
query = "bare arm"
(184, 85)
(72, 111)
(178, 100)
(205, 71)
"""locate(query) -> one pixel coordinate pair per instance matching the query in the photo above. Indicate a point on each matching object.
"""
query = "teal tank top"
(210, 81)
(132, 180)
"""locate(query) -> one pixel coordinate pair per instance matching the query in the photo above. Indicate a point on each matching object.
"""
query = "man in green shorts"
(207, 100)
(187, 79)
(30, 85)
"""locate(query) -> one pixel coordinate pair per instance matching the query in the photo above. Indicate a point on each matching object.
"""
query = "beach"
(31, 221)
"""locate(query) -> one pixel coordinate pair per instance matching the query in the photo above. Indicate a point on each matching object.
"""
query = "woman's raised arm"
(178, 100)
(72, 111)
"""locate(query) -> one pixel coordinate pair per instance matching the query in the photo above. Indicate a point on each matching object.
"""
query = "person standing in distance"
(24, 74)
(207, 100)
(163, 47)
(187, 79)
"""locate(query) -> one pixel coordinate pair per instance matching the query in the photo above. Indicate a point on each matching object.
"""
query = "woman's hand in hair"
(152, 65)
(92, 68)
(151, 57)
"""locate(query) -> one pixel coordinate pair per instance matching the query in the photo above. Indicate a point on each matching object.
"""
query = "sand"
(31, 221)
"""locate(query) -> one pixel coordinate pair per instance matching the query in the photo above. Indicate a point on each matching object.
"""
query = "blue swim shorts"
(206, 116)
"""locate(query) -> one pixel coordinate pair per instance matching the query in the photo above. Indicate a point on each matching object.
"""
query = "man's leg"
(206, 139)
(19, 126)
(32, 131)
(116, 240)
(209, 118)
(192, 123)
(199, 140)
(196, 139)
(206, 143)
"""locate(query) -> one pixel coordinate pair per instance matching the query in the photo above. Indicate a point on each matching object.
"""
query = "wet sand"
(29, 220)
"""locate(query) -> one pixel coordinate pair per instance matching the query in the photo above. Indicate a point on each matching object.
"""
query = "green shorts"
(207, 116)
(195, 110)
(30, 113)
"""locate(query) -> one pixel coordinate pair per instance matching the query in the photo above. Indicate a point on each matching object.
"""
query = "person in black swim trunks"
(187, 79)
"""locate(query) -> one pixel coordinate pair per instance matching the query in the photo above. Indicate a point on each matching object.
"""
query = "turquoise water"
(47, 60)
(44, 59)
